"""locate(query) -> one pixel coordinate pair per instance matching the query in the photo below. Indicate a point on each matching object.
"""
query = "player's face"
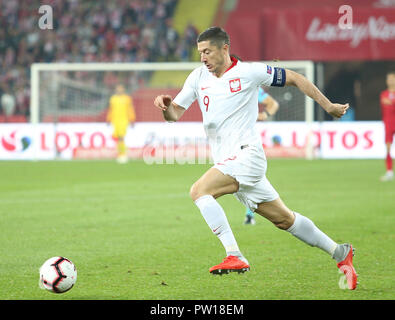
(212, 56)
(119, 89)
(391, 81)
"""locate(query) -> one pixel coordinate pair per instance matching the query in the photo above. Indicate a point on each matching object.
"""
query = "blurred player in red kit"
(387, 101)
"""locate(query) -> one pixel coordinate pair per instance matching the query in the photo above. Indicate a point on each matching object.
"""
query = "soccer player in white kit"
(227, 92)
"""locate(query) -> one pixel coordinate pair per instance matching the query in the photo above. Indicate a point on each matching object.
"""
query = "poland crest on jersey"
(235, 85)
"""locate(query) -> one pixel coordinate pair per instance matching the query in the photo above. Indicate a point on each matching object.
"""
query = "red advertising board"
(314, 32)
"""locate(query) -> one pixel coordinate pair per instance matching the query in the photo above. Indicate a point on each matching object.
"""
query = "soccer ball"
(57, 275)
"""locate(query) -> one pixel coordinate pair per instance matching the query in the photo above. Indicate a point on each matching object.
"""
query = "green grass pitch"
(133, 232)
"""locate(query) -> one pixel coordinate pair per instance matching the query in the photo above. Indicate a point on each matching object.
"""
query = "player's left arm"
(131, 112)
(109, 117)
(385, 101)
(293, 78)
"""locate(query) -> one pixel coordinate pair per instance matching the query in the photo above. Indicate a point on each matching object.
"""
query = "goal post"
(80, 92)
(38, 68)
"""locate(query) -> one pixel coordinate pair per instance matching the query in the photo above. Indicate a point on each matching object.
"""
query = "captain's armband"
(278, 77)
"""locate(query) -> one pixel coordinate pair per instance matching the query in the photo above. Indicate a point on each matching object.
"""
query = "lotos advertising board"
(161, 142)
(329, 140)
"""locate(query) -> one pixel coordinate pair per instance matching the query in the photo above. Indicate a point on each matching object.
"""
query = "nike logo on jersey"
(204, 88)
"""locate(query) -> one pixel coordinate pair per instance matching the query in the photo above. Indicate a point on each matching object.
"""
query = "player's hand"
(386, 101)
(163, 101)
(337, 110)
(262, 116)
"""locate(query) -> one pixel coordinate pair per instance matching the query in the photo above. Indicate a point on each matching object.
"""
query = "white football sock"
(216, 219)
(305, 230)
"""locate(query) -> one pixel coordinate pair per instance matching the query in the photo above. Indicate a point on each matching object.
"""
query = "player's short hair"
(392, 73)
(215, 35)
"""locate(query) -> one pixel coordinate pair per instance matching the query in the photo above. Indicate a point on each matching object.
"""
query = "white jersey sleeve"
(188, 93)
(267, 75)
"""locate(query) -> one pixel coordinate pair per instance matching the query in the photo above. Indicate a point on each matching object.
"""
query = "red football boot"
(347, 268)
(230, 264)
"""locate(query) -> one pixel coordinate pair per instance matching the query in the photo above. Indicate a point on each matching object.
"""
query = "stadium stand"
(84, 31)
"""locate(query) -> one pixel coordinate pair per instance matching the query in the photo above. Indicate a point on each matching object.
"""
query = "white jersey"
(229, 104)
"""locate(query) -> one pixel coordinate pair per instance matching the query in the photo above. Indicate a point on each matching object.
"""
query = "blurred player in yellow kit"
(120, 114)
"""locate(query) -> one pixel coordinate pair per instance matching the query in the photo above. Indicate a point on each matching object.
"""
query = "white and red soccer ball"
(58, 275)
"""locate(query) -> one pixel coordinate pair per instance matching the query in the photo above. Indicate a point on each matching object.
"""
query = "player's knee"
(198, 190)
(277, 213)
(283, 219)
(284, 222)
(195, 192)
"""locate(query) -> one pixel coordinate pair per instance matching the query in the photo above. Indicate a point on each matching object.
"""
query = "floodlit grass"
(133, 232)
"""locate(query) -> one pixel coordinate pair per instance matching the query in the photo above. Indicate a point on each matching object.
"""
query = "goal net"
(79, 93)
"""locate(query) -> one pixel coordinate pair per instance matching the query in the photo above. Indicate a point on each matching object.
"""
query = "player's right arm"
(171, 111)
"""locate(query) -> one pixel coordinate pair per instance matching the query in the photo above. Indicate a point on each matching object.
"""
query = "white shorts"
(248, 167)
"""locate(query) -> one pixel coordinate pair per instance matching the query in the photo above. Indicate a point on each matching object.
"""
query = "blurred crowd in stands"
(83, 31)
